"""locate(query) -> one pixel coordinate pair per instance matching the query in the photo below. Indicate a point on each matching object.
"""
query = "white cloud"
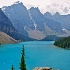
(31, 2)
(44, 5)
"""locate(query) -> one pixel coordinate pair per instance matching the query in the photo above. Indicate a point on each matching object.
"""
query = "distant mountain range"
(63, 19)
(34, 25)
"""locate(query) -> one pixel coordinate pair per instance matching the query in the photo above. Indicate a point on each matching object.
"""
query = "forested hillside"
(64, 42)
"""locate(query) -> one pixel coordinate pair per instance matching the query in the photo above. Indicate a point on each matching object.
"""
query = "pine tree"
(12, 67)
(22, 64)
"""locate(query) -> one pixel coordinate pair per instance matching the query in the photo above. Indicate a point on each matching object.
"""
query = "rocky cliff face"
(7, 27)
(19, 16)
(63, 19)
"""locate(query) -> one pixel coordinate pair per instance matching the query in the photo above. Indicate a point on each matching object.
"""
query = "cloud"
(53, 6)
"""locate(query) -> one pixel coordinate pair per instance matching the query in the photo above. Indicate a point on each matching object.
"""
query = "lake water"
(37, 54)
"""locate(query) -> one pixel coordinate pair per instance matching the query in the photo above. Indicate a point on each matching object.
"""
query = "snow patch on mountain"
(35, 25)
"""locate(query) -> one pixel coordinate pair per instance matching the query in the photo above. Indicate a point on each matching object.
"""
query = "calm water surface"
(37, 53)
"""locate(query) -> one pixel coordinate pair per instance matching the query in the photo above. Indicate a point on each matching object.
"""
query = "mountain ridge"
(7, 27)
(6, 39)
(32, 22)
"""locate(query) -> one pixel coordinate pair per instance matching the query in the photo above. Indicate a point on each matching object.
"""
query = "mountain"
(39, 19)
(63, 19)
(24, 24)
(19, 17)
(6, 39)
(32, 23)
(7, 27)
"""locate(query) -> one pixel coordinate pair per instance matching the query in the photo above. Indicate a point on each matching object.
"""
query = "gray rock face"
(7, 27)
(32, 23)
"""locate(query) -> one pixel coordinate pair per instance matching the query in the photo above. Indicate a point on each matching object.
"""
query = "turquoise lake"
(37, 54)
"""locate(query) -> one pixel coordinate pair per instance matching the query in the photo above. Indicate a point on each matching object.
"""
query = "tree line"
(63, 42)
